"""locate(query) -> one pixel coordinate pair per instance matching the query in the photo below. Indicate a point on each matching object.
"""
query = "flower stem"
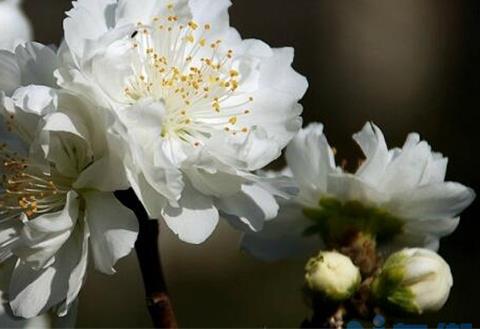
(148, 253)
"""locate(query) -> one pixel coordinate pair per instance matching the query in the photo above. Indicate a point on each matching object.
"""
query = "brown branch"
(148, 253)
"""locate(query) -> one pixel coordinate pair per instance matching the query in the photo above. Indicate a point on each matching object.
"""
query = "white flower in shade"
(56, 197)
(398, 196)
(332, 275)
(414, 281)
(201, 108)
(15, 28)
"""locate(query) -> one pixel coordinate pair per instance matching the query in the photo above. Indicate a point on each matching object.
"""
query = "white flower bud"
(15, 28)
(332, 275)
(414, 280)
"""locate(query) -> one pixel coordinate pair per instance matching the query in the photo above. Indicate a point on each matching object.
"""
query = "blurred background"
(407, 65)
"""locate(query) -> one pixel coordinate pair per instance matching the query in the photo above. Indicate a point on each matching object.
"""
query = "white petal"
(30, 290)
(259, 149)
(213, 12)
(153, 201)
(219, 184)
(252, 206)
(113, 229)
(9, 238)
(275, 107)
(280, 184)
(15, 26)
(373, 145)
(8, 321)
(100, 16)
(37, 63)
(407, 169)
(195, 219)
(439, 200)
(33, 292)
(43, 236)
(77, 275)
(432, 228)
(105, 174)
(283, 237)
(348, 187)
(61, 122)
(10, 72)
(310, 159)
(131, 12)
(436, 170)
(38, 100)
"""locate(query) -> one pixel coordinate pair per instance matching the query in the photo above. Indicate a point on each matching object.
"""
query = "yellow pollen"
(232, 120)
(28, 189)
(172, 69)
(193, 25)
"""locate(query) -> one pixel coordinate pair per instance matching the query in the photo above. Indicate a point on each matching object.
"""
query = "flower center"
(197, 83)
(336, 221)
(29, 189)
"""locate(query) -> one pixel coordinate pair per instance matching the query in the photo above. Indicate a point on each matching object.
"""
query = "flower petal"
(252, 206)
(10, 72)
(131, 12)
(113, 229)
(347, 187)
(311, 159)
(195, 219)
(439, 200)
(283, 237)
(36, 291)
(373, 145)
(99, 14)
(408, 168)
(45, 235)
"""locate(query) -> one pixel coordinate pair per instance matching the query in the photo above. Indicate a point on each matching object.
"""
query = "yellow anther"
(193, 25)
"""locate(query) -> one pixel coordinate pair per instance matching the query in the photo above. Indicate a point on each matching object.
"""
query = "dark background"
(407, 65)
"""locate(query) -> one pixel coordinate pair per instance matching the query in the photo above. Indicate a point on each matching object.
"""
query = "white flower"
(56, 194)
(414, 281)
(15, 28)
(332, 275)
(200, 106)
(398, 196)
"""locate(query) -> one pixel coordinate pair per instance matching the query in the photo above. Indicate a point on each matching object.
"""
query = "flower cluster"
(164, 98)
(397, 198)
(159, 96)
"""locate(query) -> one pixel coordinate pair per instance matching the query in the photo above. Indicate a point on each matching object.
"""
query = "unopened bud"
(414, 281)
(332, 275)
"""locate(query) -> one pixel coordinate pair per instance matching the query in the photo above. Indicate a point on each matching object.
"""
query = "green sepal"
(388, 289)
(334, 220)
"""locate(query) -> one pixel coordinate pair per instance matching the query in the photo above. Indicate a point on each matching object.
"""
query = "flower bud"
(413, 280)
(332, 275)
